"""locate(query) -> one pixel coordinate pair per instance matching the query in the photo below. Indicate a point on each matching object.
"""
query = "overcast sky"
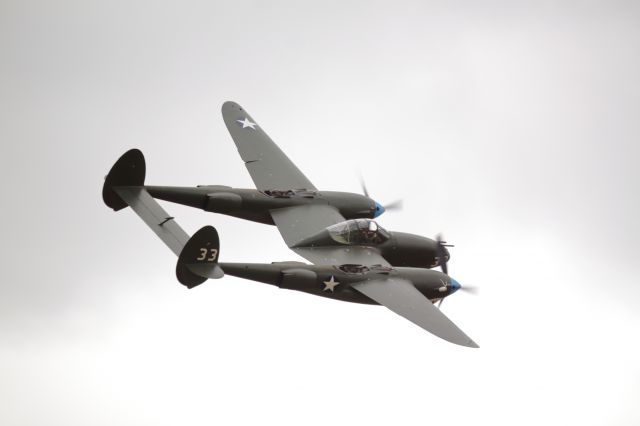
(512, 127)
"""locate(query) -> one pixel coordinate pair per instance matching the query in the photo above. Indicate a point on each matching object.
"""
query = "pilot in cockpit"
(358, 231)
(370, 231)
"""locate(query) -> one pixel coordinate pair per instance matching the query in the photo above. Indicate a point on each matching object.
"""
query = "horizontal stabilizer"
(154, 216)
(197, 256)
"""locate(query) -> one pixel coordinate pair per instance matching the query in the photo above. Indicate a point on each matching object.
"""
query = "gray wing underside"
(268, 166)
(154, 216)
(339, 256)
(300, 222)
(404, 299)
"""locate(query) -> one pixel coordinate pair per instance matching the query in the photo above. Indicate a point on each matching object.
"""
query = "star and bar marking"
(247, 123)
(330, 285)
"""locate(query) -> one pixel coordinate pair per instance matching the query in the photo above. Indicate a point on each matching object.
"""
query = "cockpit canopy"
(358, 232)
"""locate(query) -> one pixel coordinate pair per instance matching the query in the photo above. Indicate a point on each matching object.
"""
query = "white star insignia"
(246, 123)
(330, 285)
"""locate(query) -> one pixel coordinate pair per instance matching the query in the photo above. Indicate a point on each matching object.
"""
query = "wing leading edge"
(268, 166)
(404, 299)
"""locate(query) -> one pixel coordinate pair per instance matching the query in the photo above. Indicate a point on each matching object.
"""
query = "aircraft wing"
(268, 166)
(401, 296)
(299, 222)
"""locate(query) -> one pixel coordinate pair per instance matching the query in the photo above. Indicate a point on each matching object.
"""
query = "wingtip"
(467, 343)
(230, 105)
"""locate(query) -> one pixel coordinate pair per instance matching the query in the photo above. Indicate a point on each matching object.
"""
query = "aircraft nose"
(378, 209)
(455, 286)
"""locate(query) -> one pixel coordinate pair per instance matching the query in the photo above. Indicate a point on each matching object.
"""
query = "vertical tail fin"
(198, 260)
(129, 170)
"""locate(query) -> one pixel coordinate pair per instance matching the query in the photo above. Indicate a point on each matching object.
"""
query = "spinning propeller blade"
(470, 289)
(395, 205)
(443, 259)
(442, 253)
(364, 186)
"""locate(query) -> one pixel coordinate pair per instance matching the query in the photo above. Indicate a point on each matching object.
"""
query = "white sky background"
(510, 126)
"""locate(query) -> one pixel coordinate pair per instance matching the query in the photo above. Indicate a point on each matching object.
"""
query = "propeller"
(364, 186)
(467, 289)
(443, 256)
(443, 259)
(470, 289)
(394, 205)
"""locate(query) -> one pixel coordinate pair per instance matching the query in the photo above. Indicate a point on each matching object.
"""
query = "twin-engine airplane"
(354, 259)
